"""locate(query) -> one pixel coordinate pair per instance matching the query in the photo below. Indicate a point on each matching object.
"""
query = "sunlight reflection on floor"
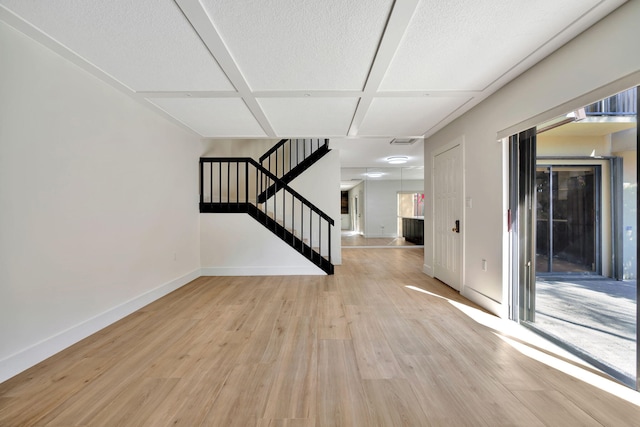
(541, 350)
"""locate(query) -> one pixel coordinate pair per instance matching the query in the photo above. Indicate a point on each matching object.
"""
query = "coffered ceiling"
(306, 68)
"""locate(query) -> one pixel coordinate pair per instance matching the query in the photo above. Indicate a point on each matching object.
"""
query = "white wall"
(345, 221)
(598, 57)
(253, 148)
(577, 146)
(253, 252)
(99, 204)
(381, 204)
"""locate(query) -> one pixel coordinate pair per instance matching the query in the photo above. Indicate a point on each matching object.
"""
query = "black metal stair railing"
(288, 154)
(234, 185)
(291, 157)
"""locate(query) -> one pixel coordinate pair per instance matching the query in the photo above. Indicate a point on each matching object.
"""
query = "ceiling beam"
(399, 19)
(197, 15)
(188, 94)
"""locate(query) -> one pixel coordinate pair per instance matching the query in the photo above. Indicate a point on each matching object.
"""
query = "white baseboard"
(482, 300)
(46, 348)
(312, 270)
(428, 270)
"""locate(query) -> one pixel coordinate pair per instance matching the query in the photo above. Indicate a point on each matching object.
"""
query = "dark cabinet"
(413, 230)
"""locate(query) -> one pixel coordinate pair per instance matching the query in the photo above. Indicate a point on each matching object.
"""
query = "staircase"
(289, 158)
(242, 185)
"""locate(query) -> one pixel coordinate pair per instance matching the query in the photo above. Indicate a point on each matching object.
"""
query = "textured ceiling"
(465, 46)
(359, 156)
(377, 150)
(307, 45)
(296, 68)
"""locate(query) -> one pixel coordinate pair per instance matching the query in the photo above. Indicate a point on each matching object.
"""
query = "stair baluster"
(276, 221)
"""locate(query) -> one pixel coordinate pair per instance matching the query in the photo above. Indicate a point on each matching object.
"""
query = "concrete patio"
(593, 315)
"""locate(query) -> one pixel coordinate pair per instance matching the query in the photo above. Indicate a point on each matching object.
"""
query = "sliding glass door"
(567, 219)
(573, 221)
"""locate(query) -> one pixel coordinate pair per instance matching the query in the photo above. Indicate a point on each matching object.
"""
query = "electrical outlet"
(484, 265)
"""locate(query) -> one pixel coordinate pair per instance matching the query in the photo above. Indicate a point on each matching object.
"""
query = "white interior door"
(447, 181)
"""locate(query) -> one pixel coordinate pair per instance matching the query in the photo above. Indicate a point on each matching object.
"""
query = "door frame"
(522, 200)
(518, 177)
(460, 141)
(606, 223)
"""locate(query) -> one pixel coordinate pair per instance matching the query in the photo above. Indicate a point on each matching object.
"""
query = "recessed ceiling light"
(397, 160)
(374, 174)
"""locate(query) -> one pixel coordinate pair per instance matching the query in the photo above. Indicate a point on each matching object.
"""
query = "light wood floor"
(351, 239)
(355, 349)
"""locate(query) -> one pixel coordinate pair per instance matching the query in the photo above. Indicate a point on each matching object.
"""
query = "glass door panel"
(566, 221)
(543, 219)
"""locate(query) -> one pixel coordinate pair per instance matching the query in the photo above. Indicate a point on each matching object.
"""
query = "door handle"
(457, 227)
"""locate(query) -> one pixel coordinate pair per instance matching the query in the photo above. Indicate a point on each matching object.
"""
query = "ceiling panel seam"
(399, 18)
(203, 25)
(538, 54)
(23, 26)
(445, 119)
(389, 68)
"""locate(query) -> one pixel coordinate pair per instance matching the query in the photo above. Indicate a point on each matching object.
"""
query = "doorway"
(411, 217)
(573, 205)
(567, 219)
(378, 197)
(448, 227)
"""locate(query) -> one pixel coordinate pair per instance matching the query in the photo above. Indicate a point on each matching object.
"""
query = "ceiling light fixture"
(397, 160)
(374, 174)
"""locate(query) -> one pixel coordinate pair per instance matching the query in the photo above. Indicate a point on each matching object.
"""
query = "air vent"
(403, 141)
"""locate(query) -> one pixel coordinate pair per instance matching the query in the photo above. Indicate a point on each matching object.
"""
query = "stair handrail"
(273, 149)
(279, 181)
(297, 155)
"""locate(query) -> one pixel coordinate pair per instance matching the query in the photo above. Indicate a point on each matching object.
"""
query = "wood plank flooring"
(350, 238)
(358, 348)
